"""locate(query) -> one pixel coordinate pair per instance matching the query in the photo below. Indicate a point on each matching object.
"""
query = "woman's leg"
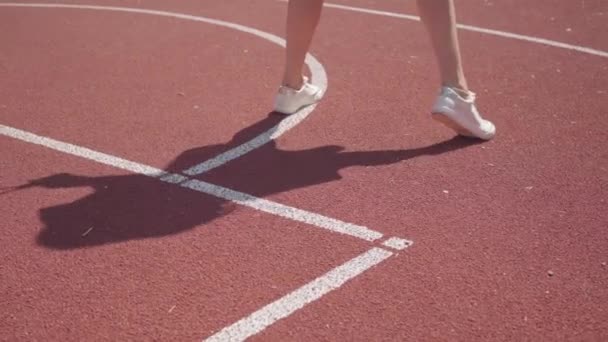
(455, 107)
(439, 17)
(302, 20)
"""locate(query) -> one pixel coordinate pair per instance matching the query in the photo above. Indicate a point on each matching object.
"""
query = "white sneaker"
(461, 115)
(289, 100)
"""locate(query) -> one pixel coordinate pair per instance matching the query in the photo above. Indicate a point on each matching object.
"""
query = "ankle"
(460, 88)
(293, 82)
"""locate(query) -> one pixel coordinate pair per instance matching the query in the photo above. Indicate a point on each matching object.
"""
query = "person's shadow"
(127, 207)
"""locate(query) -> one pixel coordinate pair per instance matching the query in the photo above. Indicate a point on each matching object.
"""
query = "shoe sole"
(277, 110)
(319, 93)
(446, 121)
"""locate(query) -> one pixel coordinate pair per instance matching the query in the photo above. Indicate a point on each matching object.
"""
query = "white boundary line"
(288, 304)
(498, 33)
(277, 209)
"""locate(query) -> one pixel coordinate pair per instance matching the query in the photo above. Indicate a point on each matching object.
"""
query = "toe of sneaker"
(488, 130)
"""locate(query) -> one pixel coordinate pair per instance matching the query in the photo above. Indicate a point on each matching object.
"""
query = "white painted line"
(82, 152)
(371, 11)
(271, 134)
(260, 204)
(173, 178)
(288, 304)
(397, 243)
(498, 33)
(277, 209)
(536, 40)
(318, 76)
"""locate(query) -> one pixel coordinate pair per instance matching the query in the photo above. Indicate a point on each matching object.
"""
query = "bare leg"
(439, 17)
(455, 107)
(302, 20)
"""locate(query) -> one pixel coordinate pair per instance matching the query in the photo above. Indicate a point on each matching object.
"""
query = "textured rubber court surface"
(149, 193)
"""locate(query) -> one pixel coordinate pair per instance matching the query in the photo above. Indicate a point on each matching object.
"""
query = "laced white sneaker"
(461, 115)
(289, 100)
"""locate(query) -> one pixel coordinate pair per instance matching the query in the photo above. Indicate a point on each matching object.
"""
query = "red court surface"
(109, 233)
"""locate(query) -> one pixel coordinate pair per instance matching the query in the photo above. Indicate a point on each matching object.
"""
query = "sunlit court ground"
(150, 192)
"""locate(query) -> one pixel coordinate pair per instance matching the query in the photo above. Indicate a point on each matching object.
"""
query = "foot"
(461, 115)
(289, 100)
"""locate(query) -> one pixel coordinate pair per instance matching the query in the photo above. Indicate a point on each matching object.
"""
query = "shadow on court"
(127, 207)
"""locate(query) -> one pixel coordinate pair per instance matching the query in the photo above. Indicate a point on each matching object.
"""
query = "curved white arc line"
(319, 77)
(537, 40)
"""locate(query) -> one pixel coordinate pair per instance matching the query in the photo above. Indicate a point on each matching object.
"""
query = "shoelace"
(470, 95)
